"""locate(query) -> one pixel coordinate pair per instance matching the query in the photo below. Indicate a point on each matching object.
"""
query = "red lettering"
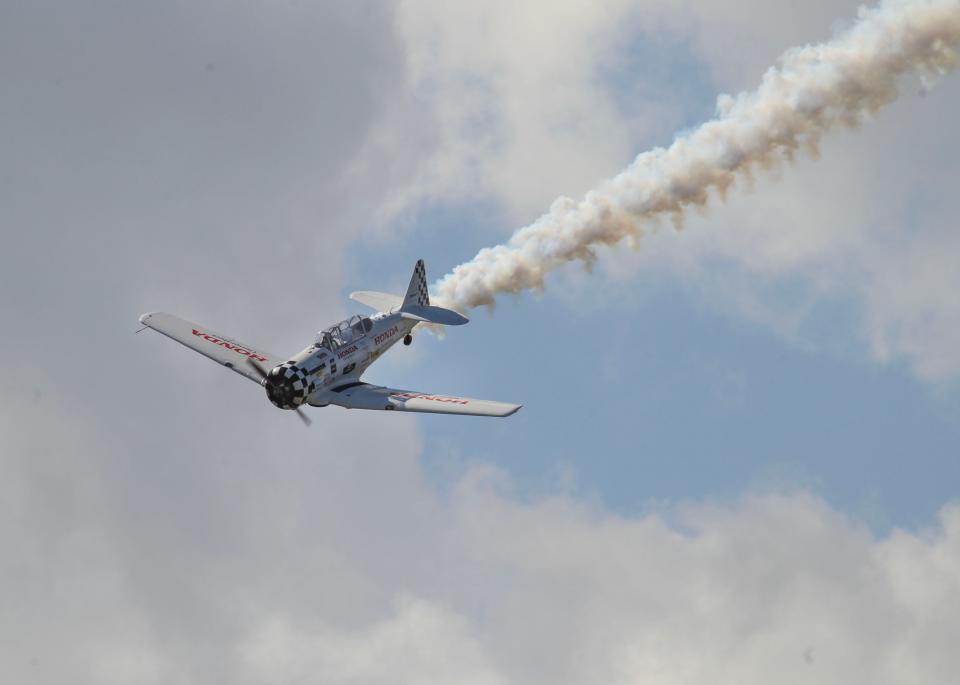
(229, 346)
(348, 351)
(432, 398)
(385, 336)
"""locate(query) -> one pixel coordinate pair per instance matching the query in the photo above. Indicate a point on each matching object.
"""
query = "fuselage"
(337, 359)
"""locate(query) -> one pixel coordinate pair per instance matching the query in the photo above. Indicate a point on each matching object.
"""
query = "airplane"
(328, 371)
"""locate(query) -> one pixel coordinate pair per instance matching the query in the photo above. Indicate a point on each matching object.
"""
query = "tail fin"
(416, 303)
(417, 294)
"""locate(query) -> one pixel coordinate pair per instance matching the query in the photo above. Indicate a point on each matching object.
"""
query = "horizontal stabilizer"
(415, 305)
(431, 314)
(381, 302)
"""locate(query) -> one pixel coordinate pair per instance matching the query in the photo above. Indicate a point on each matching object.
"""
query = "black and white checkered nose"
(287, 386)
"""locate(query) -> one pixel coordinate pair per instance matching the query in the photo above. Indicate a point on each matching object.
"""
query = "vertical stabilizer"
(417, 295)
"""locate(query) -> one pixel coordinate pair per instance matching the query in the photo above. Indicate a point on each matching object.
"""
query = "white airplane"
(329, 370)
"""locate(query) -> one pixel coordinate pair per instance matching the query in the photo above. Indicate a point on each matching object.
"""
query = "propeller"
(262, 372)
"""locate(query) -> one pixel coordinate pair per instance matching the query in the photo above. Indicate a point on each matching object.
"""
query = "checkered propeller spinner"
(328, 371)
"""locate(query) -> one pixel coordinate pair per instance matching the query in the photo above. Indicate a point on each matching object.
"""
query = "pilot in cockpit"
(324, 339)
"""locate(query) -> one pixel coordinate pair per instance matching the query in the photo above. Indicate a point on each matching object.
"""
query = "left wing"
(219, 348)
(366, 396)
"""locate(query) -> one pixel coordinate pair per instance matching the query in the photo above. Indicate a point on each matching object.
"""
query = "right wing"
(366, 396)
(219, 348)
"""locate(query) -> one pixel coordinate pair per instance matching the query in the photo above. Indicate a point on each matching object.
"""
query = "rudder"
(417, 293)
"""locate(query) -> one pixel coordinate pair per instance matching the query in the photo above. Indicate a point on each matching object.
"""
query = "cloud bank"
(294, 570)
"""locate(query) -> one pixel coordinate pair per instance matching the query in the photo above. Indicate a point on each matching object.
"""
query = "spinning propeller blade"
(264, 375)
(303, 417)
(258, 368)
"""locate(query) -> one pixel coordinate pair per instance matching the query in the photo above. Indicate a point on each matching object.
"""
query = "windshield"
(344, 333)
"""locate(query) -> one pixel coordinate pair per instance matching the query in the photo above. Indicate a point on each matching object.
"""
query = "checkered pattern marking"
(291, 385)
(420, 272)
(417, 293)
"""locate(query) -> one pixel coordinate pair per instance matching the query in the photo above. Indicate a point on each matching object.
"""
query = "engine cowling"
(288, 386)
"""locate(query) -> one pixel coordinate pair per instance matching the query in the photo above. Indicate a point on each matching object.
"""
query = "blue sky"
(645, 395)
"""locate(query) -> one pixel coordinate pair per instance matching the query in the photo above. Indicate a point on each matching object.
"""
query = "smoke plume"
(812, 90)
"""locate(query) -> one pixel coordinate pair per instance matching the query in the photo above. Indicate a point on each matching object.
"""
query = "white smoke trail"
(812, 90)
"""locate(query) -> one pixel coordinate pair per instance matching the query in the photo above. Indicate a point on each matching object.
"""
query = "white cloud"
(514, 100)
(293, 569)
(775, 589)
(504, 99)
(739, 41)
(912, 311)
(421, 642)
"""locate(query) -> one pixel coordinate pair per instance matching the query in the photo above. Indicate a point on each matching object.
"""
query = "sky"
(737, 460)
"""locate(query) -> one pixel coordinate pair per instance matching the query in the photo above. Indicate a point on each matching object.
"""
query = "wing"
(381, 302)
(366, 396)
(219, 348)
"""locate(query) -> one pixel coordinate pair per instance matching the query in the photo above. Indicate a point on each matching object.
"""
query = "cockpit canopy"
(344, 333)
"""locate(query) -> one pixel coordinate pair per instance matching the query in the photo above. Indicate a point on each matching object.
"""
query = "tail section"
(417, 294)
(416, 303)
